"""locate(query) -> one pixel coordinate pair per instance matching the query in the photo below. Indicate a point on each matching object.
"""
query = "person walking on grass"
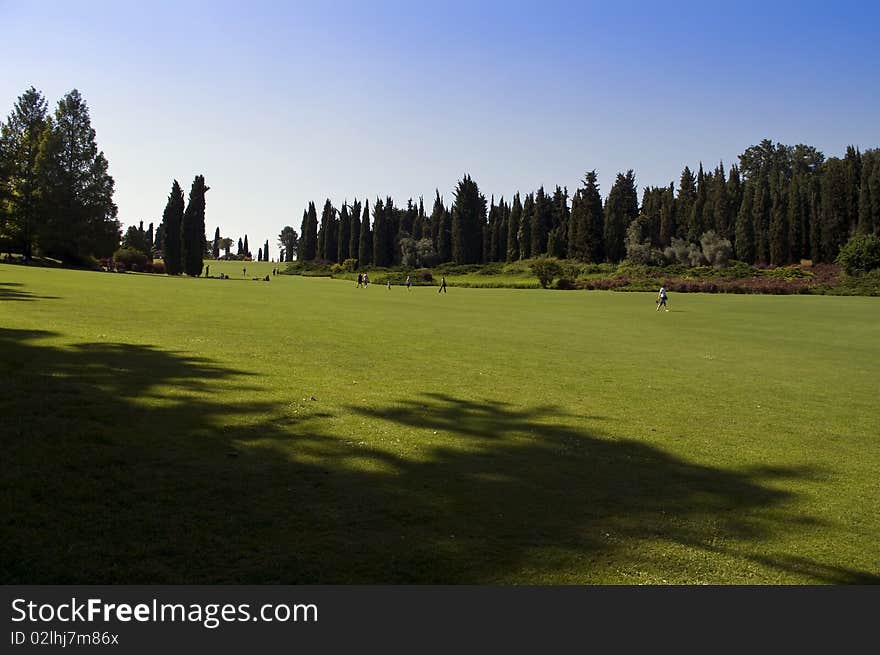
(408, 283)
(442, 288)
(366, 280)
(661, 299)
(360, 280)
(389, 284)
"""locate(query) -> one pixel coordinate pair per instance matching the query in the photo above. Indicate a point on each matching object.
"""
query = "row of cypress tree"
(183, 229)
(780, 204)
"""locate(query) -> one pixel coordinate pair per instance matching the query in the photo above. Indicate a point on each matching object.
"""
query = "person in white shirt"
(661, 299)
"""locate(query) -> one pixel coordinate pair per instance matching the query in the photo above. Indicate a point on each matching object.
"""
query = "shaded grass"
(178, 430)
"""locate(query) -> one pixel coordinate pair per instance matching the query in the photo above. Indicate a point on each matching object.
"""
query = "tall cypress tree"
(587, 221)
(247, 248)
(266, 251)
(695, 226)
(513, 229)
(468, 218)
(365, 245)
(621, 208)
(761, 205)
(745, 233)
(310, 247)
(667, 216)
(193, 233)
(835, 207)
(524, 236)
(240, 247)
(354, 233)
(779, 251)
(444, 236)
(381, 235)
(172, 222)
(215, 247)
(542, 220)
(687, 195)
(344, 234)
(721, 208)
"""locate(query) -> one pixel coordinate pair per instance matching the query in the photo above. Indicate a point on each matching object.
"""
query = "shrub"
(716, 250)
(683, 252)
(860, 254)
(545, 269)
(350, 265)
(337, 268)
(130, 259)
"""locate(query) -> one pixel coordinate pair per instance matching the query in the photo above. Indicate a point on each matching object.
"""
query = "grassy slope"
(178, 430)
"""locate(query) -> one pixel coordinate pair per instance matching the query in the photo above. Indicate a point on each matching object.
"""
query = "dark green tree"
(779, 228)
(745, 234)
(354, 233)
(687, 195)
(542, 223)
(215, 246)
(76, 188)
(524, 235)
(621, 208)
(468, 218)
(172, 222)
(287, 242)
(344, 234)
(513, 229)
(310, 234)
(20, 139)
(668, 216)
(193, 233)
(365, 245)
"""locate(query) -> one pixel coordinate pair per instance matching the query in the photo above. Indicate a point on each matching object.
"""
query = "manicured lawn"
(159, 430)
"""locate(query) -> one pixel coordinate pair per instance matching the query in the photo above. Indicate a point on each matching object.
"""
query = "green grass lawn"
(159, 430)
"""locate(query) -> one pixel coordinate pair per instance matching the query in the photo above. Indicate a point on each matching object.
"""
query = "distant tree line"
(56, 196)
(779, 205)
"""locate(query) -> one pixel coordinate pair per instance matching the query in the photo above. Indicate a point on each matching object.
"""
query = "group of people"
(363, 280)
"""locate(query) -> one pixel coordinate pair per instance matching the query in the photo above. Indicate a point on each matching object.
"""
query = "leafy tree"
(172, 221)
(193, 233)
(287, 241)
(136, 239)
(546, 269)
(20, 139)
(860, 254)
(76, 189)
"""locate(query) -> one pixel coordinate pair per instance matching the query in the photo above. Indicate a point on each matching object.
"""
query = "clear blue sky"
(277, 106)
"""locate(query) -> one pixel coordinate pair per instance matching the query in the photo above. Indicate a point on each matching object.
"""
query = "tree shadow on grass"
(13, 291)
(132, 464)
